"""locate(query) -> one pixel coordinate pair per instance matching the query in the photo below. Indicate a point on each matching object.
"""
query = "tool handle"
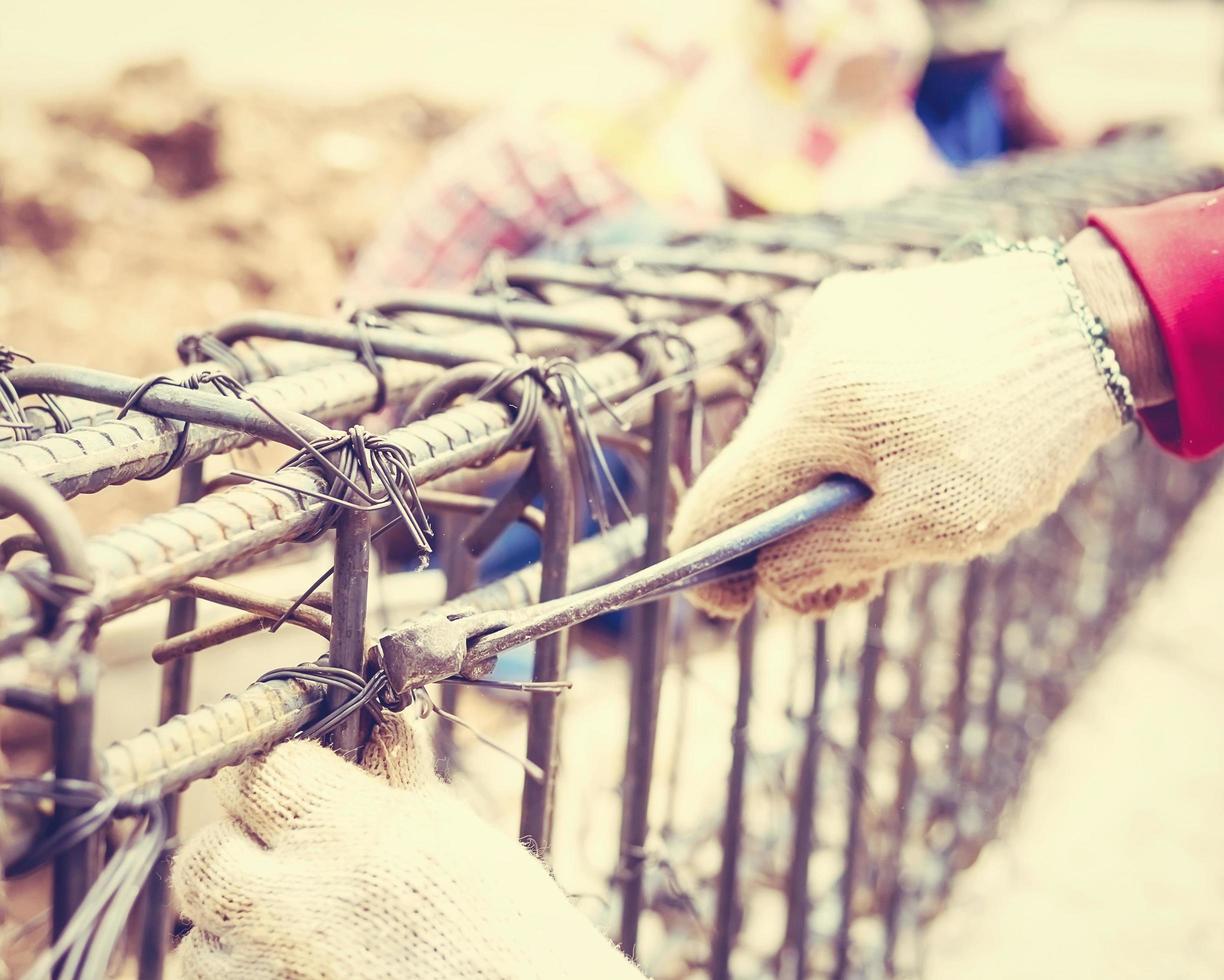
(729, 552)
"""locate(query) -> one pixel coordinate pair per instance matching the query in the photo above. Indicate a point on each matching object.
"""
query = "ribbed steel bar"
(164, 760)
(271, 361)
(347, 648)
(175, 699)
(101, 451)
(167, 401)
(91, 458)
(793, 954)
(646, 663)
(73, 686)
(727, 900)
(138, 563)
(869, 665)
(623, 281)
(550, 472)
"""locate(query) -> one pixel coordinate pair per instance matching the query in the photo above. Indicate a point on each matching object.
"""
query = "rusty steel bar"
(274, 361)
(908, 776)
(167, 401)
(550, 472)
(791, 269)
(74, 683)
(138, 563)
(107, 452)
(166, 759)
(868, 667)
(976, 580)
(447, 351)
(461, 570)
(551, 459)
(347, 648)
(792, 956)
(727, 900)
(175, 699)
(481, 309)
(651, 626)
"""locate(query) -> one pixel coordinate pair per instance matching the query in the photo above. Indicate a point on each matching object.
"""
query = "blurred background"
(163, 167)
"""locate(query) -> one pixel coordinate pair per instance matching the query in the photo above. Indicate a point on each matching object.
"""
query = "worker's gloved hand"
(323, 870)
(966, 395)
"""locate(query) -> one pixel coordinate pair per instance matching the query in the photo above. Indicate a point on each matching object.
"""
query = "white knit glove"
(322, 870)
(966, 395)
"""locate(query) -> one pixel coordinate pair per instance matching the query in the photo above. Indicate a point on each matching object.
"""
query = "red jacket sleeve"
(1175, 250)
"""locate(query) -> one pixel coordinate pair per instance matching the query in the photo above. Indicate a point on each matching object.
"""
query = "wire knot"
(559, 382)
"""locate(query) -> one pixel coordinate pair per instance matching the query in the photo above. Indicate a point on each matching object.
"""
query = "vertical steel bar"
(907, 779)
(349, 597)
(971, 605)
(175, 700)
(869, 665)
(72, 740)
(461, 570)
(646, 663)
(544, 710)
(550, 457)
(75, 684)
(727, 902)
(792, 957)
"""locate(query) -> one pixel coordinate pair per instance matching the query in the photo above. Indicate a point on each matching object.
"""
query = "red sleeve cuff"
(1175, 250)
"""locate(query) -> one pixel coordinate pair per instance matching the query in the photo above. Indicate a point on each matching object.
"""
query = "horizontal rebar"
(140, 562)
(193, 746)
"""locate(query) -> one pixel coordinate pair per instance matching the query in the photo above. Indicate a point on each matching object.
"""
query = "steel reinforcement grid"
(901, 756)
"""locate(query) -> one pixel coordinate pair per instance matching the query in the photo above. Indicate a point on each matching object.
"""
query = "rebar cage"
(897, 760)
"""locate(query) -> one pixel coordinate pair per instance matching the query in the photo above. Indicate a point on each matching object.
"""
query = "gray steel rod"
(869, 665)
(138, 563)
(164, 760)
(175, 699)
(167, 401)
(646, 663)
(347, 647)
(91, 458)
(195, 745)
(727, 903)
(271, 361)
(101, 451)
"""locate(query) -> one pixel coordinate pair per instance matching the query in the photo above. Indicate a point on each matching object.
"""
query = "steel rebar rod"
(175, 699)
(438, 645)
(108, 452)
(646, 662)
(136, 564)
(726, 903)
(347, 648)
(793, 954)
(869, 665)
(168, 401)
(270, 361)
(447, 351)
(74, 686)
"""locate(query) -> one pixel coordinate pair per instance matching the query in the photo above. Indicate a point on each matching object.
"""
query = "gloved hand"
(322, 870)
(966, 395)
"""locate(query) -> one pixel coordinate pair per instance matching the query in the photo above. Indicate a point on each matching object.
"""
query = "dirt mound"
(155, 206)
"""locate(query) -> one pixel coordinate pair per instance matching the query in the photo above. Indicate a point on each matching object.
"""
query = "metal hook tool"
(437, 646)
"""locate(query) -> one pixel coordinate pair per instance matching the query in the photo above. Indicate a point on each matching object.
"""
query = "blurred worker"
(967, 395)
(778, 106)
